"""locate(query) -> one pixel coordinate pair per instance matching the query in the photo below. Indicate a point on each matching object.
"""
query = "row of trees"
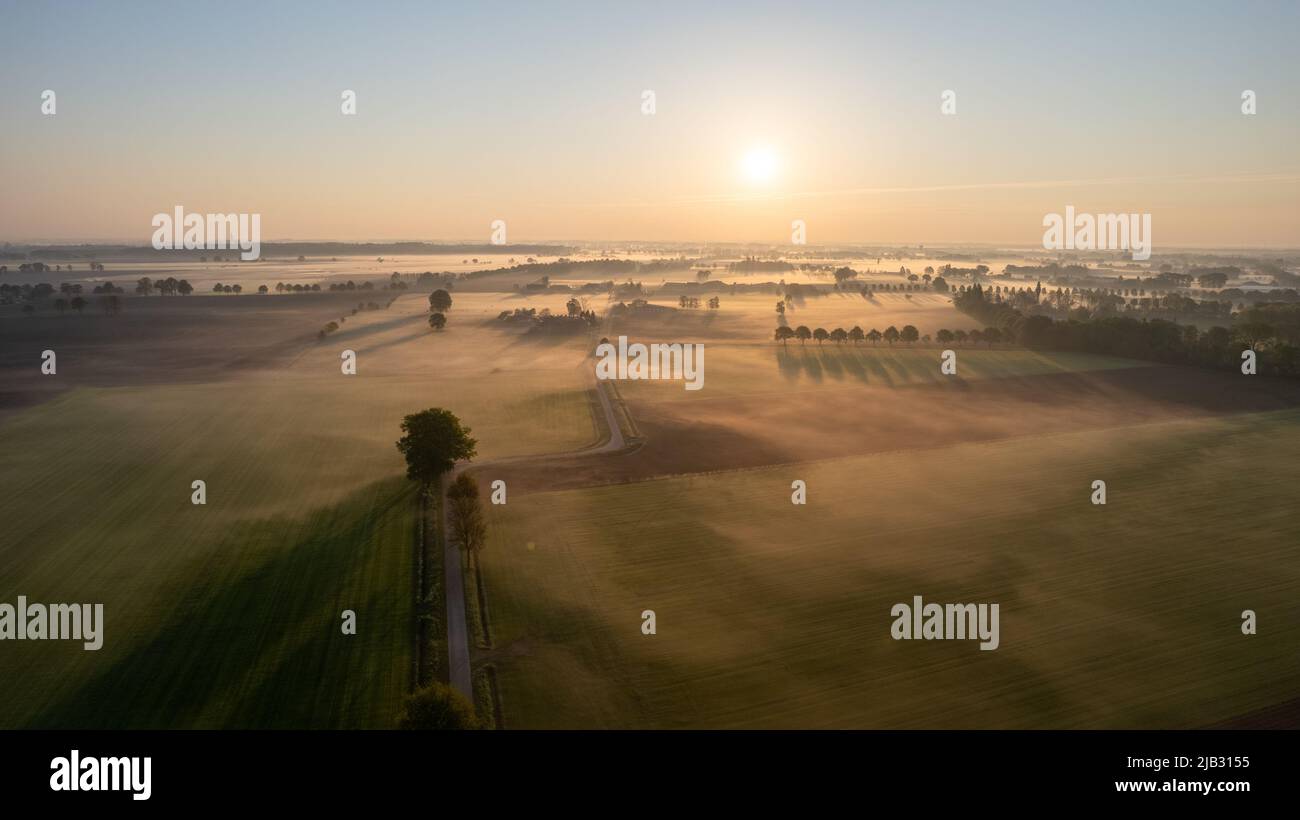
(432, 441)
(1271, 330)
(839, 335)
(171, 286)
(693, 302)
(331, 327)
(574, 320)
(109, 303)
(890, 335)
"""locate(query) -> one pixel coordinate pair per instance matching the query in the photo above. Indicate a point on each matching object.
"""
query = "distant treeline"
(583, 268)
(285, 249)
(752, 264)
(1271, 330)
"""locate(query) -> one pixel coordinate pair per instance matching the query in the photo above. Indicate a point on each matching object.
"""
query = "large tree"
(784, 334)
(440, 301)
(909, 334)
(437, 706)
(802, 333)
(433, 442)
(437, 321)
(891, 334)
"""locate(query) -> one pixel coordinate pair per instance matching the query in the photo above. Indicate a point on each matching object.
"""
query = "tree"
(440, 301)
(839, 335)
(784, 334)
(874, 336)
(891, 335)
(433, 442)
(60, 305)
(78, 304)
(437, 321)
(238, 288)
(780, 308)
(263, 289)
(909, 334)
(803, 334)
(960, 336)
(856, 335)
(1252, 333)
(468, 527)
(144, 286)
(944, 336)
(821, 335)
(437, 707)
(184, 288)
(1213, 280)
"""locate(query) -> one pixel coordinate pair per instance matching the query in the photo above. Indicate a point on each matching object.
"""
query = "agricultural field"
(227, 614)
(770, 615)
(965, 487)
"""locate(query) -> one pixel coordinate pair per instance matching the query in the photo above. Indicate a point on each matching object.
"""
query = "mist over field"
(742, 366)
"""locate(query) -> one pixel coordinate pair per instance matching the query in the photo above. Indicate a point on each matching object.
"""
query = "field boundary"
(460, 671)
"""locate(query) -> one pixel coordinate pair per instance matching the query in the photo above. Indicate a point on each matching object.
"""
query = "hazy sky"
(532, 113)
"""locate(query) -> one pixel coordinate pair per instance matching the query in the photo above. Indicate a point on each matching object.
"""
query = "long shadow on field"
(254, 639)
(739, 432)
(829, 358)
(788, 363)
(400, 340)
(812, 366)
(790, 638)
(355, 331)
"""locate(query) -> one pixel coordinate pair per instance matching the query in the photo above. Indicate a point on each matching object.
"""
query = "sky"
(764, 113)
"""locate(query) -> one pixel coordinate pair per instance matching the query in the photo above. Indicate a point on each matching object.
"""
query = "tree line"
(432, 441)
(1271, 330)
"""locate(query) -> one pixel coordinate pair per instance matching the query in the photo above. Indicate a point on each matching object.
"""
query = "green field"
(228, 614)
(770, 615)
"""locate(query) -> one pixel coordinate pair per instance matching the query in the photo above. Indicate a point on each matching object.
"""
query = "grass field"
(228, 614)
(772, 615)
(972, 488)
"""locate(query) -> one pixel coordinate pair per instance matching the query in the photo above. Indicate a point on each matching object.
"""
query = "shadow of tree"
(254, 640)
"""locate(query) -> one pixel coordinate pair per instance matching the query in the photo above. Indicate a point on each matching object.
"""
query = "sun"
(760, 165)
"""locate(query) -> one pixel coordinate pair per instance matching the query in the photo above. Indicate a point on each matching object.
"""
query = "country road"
(459, 672)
